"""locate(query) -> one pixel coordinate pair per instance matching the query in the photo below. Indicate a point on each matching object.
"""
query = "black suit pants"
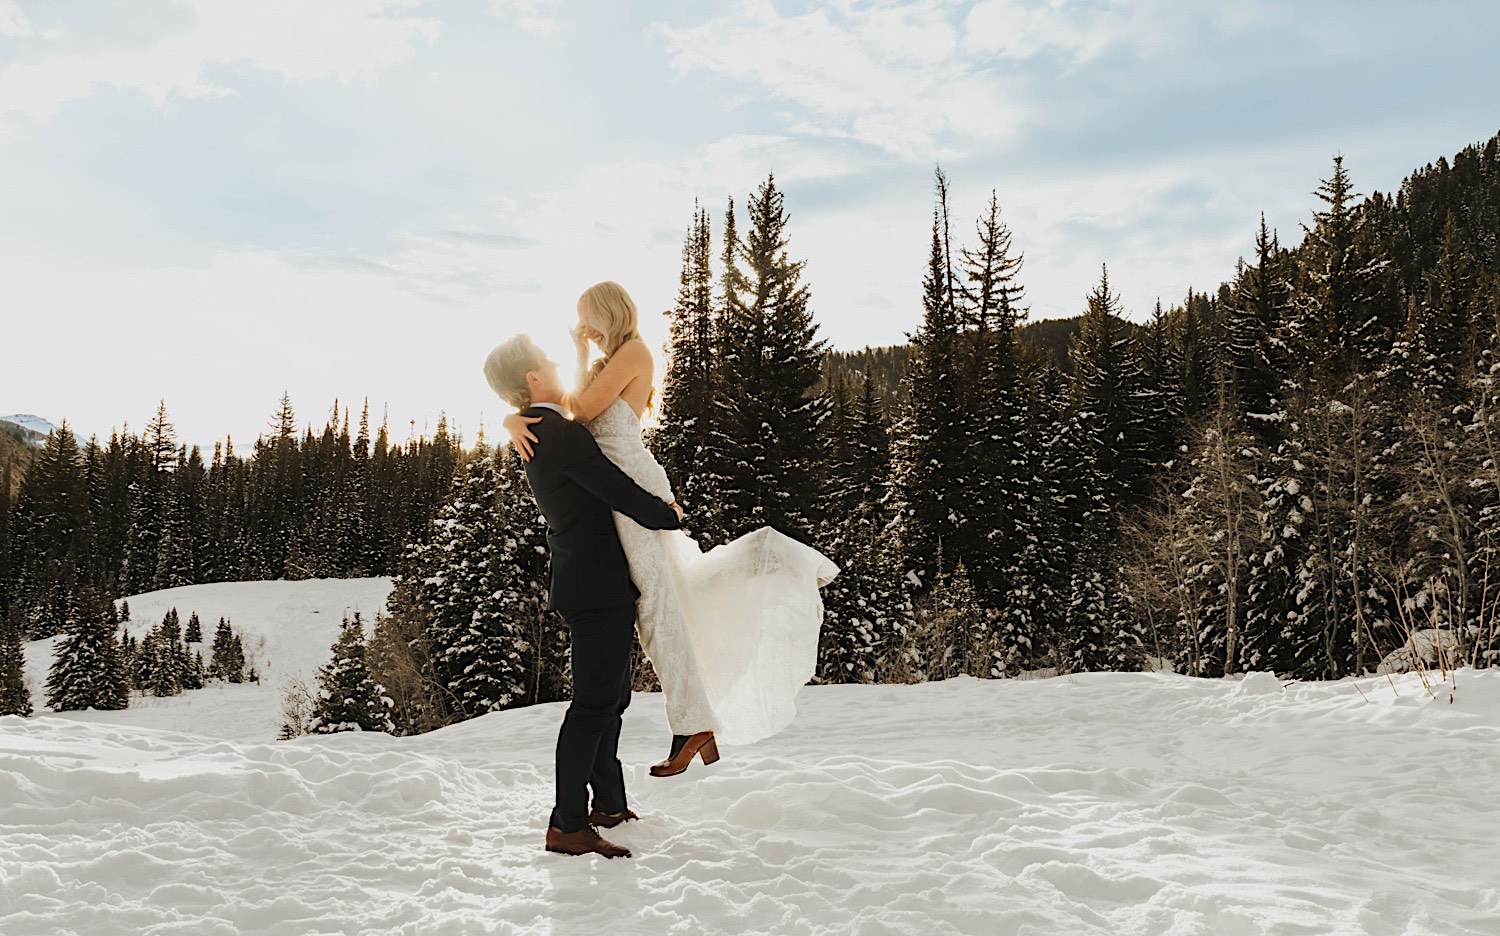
(589, 740)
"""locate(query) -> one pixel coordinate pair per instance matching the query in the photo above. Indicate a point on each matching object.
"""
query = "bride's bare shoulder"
(636, 346)
(636, 351)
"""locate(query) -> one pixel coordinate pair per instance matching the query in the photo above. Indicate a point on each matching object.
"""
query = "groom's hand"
(678, 507)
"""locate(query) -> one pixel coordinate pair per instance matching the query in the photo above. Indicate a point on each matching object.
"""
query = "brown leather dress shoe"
(606, 820)
(701, 744)
(583, 842)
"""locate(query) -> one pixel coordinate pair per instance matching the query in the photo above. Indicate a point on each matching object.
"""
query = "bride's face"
(588, 331)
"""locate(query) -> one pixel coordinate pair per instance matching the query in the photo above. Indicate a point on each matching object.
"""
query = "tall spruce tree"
(479, 599)
(771, 363)
(53, 533)
(15, 695)
(1256, 321)
(1108, 395)
(992, 411)
(868, 607)
(684, 440)
(928, 490)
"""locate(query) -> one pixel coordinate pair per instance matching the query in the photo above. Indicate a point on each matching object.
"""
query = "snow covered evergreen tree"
(349, 698)
(1339, 431)
(86, 671)
(15, 695)
(481, 593)
(929, 495)
(868, 607)
(1108, 394)
(160, 668)
(684, 440)
(467, 631)
(771, 362)
(1061, 494)
(993, 419)
(53, 534)
(1256, 323)
(227, 660)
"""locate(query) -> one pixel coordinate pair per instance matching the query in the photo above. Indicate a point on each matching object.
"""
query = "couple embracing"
(732, 633)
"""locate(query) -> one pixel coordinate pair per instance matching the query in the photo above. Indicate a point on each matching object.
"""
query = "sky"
(211, 203)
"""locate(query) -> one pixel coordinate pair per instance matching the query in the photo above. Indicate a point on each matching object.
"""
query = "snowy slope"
(36, 428)
(287, 629)
(1104, 803)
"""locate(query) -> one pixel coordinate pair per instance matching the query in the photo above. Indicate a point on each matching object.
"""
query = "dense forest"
(1293, 471)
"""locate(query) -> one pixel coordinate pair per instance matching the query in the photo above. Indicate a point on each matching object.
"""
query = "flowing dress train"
(733, 632)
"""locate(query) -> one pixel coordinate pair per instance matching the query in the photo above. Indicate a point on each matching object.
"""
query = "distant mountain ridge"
(31, 429)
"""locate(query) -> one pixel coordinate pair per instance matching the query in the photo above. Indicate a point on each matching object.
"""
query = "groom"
(577, 487)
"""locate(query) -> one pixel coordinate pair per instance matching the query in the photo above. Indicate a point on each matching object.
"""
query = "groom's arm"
(595, 473)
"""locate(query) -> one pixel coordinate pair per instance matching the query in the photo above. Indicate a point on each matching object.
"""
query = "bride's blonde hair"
(612, 313)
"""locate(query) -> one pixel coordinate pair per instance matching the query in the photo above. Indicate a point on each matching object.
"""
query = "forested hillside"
(1294, 470)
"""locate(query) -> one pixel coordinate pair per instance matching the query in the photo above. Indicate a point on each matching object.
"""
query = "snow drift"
(1112, 803)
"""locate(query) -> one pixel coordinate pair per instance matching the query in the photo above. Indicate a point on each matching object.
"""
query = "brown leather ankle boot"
(701, 744)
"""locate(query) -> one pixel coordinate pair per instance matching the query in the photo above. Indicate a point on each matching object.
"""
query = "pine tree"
(227, 661)
(53, 534)
(1107, 391)
(15, 695)
(86, 671)
(161, 671)
(1338, 325)
(152, 512)
(349, 698)
(683, 442)
(481, 591)
(194, 632)
(771, 360)
(1340, 428)
(236, 660)
(1031, 610)
(928, 492)
(992, 414)
(868, 607)
(1257, 319)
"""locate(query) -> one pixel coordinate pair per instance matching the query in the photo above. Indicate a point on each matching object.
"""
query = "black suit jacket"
(577, 488)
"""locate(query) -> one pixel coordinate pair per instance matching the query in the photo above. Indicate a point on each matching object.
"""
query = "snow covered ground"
(1105, 803)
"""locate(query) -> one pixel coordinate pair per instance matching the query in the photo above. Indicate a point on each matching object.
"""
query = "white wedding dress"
(733, 632)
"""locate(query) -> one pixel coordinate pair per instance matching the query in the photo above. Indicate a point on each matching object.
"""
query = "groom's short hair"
(506, 369)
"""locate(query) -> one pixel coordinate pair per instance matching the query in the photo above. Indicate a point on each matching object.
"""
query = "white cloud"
(13, 22)
(533, 16)
(885, 75)
(928, 79)
(301, 41)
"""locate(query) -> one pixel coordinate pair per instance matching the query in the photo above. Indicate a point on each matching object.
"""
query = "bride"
(732, 633)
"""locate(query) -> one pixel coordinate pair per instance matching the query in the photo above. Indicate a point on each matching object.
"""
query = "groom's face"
(546, 384)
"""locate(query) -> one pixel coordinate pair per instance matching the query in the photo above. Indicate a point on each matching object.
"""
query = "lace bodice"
(618, 432)
(617, 421)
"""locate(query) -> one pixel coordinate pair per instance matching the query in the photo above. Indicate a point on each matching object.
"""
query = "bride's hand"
(580, 342)
(521, 439)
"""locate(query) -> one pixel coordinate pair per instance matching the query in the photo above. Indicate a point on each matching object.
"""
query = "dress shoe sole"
(563, 851)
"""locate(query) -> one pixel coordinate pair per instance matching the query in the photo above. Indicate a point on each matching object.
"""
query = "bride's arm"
(632, 360)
